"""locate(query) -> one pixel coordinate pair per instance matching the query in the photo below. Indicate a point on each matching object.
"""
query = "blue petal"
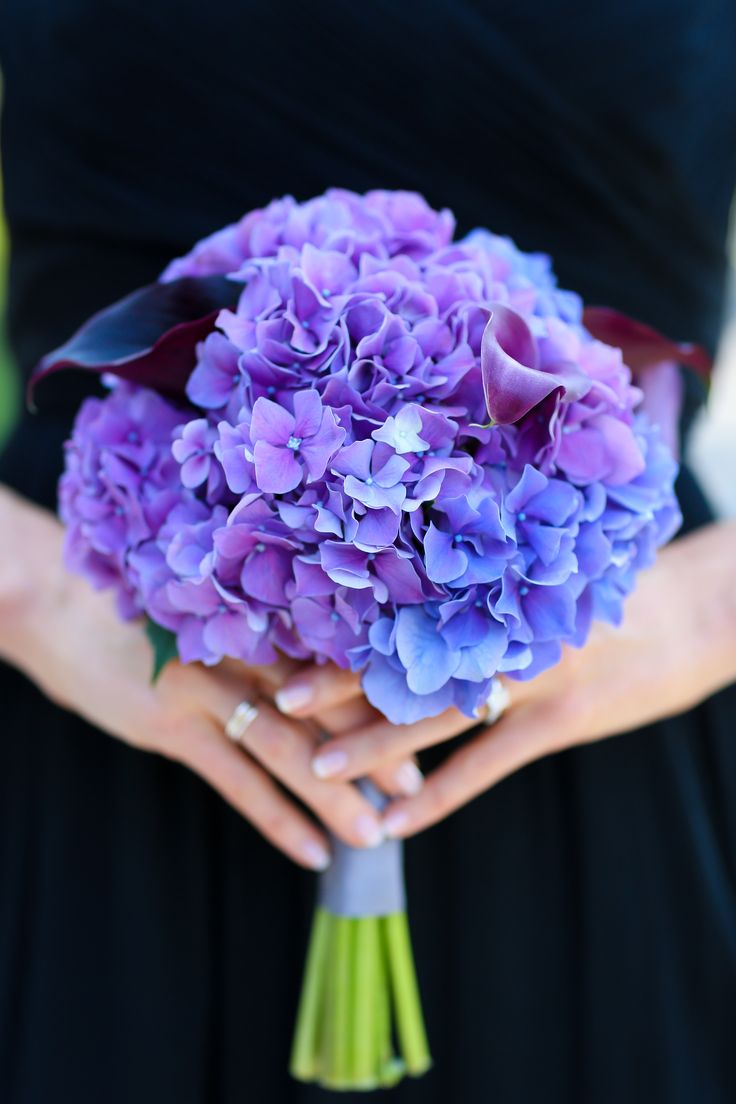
(556, 502)
(443, 561)
(387, 690)
(531, 483)
(481, 660)
(427, 657)
(381, 635)
(550, 612)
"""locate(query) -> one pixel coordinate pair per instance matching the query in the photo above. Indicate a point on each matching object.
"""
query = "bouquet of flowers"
(334, 432)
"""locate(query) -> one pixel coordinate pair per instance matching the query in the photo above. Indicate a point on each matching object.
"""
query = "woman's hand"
(70, 641)
(676, 646)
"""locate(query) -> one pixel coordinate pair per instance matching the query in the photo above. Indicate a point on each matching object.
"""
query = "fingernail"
(290, 698)
(316, 855)
(329, 763)
(369, 830)
(409, 779)
(394, 823)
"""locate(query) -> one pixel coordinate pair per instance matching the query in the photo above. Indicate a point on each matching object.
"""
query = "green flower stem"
(336, 1067)
(305, 1056)
(390, 1068)
(366, 984)
(409, 1020)
(360, 989)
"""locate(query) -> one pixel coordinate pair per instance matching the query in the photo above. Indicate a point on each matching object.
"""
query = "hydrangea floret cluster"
(397, 451)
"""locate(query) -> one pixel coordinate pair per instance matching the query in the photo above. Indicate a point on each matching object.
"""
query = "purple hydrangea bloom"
(399, 452)
(120, 484)
(289, 448)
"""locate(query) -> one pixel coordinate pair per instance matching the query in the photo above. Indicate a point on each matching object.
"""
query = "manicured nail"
(290, 698)
(316, 855)
(409, 779)
(329, 763)
(369, 830)
(395, 822)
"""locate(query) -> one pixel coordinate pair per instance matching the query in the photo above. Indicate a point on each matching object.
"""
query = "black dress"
(575, 927)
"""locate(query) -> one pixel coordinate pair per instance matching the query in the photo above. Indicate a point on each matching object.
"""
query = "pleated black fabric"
(575, 928)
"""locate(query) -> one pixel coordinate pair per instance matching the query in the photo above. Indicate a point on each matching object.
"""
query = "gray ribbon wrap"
(364, 881)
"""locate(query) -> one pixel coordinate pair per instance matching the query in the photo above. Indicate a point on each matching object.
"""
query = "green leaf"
(164, 647)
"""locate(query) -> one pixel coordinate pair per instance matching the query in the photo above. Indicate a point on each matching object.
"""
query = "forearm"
(707, 558)
(31, 571)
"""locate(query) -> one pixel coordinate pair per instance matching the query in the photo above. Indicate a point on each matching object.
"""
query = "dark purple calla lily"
(513, 383)
(641, 345)
(148, 337)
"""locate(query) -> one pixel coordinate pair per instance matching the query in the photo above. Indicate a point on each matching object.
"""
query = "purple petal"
(229, 634)
(663, 389)
(326, 269)
(234, 542)
(307, 413)
(277, 469)
(312, 620)
(604, 448)
(327, 522)
(345, 564)
(377, 529)
(265, 575)
(216, 375)
(230, 451)
(194, 471)
(199, 598)
(400, 577)
(355, 459)
(311, 580)
(270, 422)
(403, 431)
(319, 450)
(190, 643)
(374, 496)
(392, 471)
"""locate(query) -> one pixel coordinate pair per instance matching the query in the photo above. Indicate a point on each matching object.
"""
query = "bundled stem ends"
(359, 1023)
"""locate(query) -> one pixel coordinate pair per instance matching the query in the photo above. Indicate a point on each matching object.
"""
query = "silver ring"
(495, 704)
(242, 718)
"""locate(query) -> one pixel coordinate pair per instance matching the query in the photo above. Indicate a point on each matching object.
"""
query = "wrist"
(723, 618)
(709, 568)
(32, 575)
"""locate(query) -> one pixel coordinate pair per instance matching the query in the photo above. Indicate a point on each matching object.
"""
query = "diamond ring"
(495, 704)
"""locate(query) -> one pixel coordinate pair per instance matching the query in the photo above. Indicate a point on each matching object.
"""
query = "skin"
(677, 646)
(70, 641)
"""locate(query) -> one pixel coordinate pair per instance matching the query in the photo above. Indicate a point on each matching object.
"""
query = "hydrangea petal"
(426, 655)
(277, 469)
(270, 423)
